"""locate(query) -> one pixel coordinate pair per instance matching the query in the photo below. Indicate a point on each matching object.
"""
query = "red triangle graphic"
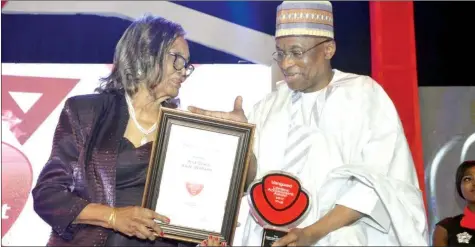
(53, 89)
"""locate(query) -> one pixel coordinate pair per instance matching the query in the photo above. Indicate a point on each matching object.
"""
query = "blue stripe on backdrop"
(258, 15)
(352, 34)
(43, 38)
(75, 39)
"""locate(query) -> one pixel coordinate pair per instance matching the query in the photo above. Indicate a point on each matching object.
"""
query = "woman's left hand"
(213, 241)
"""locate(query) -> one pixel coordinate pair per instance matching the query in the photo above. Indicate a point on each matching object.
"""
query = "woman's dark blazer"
(82, 167)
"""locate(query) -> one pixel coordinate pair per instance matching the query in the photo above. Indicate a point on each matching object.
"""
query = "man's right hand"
(237, 114)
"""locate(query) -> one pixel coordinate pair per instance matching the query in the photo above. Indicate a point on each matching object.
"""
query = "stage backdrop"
(87, 31)
(32, 98)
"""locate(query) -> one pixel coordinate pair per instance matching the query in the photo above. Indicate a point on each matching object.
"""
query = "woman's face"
(468, 185)
(175, 61)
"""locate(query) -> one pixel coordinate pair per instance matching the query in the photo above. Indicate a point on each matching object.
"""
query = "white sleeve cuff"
(364, 199)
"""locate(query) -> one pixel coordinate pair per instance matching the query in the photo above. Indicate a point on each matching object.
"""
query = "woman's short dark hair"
(140, 53)
(460, 174)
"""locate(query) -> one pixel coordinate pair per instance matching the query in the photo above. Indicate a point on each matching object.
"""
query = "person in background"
(460, 230)
(340, 134)
(91, 188)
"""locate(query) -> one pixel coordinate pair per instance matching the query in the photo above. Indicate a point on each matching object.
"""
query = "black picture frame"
(244, 131)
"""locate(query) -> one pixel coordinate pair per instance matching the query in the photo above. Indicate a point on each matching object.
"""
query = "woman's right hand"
(139, 222)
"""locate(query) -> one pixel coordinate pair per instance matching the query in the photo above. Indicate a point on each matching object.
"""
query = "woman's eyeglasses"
(180, 62)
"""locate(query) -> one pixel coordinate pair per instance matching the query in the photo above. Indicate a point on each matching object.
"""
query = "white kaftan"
(359, 158)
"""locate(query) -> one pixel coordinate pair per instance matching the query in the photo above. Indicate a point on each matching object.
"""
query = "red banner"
(394, 66)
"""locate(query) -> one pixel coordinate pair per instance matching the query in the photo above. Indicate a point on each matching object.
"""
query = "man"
(340, 134)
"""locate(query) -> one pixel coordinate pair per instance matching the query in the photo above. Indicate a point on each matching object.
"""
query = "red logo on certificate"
(194, 189)
(278, 199)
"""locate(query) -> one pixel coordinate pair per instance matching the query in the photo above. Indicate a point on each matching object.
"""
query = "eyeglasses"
(279, 56)
(180, 62)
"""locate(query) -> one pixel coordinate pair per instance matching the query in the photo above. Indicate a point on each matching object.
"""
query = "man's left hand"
(298, 237)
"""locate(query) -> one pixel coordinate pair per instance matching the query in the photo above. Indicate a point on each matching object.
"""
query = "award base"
(269, 236)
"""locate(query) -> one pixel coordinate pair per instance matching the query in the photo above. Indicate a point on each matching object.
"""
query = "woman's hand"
(213, 241)
(137, 221)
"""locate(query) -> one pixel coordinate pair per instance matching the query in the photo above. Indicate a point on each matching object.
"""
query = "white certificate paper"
(196, 177)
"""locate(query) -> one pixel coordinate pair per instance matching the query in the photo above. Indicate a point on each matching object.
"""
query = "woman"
(90, 188)
(460, 230)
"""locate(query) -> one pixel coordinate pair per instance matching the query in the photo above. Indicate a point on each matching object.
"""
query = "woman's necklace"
(132, 115)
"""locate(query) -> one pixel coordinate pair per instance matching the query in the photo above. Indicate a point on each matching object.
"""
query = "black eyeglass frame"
(279, 56)
(178, 66)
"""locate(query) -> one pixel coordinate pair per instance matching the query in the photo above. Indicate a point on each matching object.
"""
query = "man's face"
(303, 60)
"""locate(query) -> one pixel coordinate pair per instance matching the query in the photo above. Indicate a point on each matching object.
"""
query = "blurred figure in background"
(460, 229)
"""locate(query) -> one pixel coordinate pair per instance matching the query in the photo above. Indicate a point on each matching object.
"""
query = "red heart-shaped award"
(16, 184)
(279, 199)
(194, 189)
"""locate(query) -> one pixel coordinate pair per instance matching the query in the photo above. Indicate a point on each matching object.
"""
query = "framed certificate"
(196, 174)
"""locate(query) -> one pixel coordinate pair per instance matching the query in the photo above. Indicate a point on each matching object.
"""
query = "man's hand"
(337, 218)
(236, 115)
(298, 237)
